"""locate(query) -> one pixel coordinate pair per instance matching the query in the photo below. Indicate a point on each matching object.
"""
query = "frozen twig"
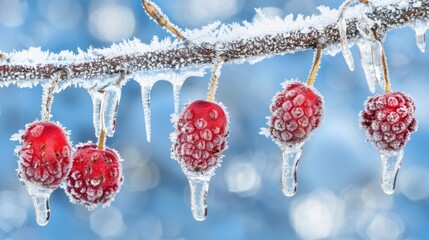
(234, 49)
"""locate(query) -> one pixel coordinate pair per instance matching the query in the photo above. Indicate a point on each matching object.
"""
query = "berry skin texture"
(296, 112)
(388, 119)
(45, 154)
(200, 136)
(95, 177)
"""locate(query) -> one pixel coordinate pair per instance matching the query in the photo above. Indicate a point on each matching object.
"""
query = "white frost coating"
(420, 30)
(265, 25)
(35, 56)
(365, 49)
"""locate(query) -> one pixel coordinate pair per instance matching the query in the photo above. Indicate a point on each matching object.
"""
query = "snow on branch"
(235, 43)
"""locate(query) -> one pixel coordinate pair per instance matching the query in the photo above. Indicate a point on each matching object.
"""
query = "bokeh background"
(339, 195)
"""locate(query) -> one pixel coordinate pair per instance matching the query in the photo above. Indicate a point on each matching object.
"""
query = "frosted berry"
(388, 119)
(45, 154)
(200, 136)
(95, 177)
(296, 112)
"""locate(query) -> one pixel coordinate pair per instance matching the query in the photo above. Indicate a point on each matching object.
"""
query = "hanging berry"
(95, 177)
(388, 120)
(44, 156)
(96, 173)
(198, 142)
(296, 112)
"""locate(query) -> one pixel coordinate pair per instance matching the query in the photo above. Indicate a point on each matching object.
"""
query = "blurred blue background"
(339, 195)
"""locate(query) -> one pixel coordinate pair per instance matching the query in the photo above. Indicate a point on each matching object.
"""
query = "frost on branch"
(237, 42)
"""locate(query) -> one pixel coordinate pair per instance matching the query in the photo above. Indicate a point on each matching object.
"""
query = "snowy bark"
(234, 48)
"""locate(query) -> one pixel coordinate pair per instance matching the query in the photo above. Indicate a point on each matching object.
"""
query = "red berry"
(388, 119)
(95, 177)
(200, 136)
(44, 154)
(296, 112)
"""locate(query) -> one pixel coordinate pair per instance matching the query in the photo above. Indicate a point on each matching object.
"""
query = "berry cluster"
(93, 175)
(200, 136)
(296, 112)
(388, 119)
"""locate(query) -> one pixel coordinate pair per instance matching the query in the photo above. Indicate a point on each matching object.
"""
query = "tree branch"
(302, 34)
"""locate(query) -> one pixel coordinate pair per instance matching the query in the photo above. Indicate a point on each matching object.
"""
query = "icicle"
(145, 90)
(365, 49)
(199, 187)
(177, 79)
(342, 28)
(97, 99)
(176, 96)
(391, 163)
(291, 157)
(146, 83)
(420, 30)
(105, 103)
(347, 54)
(377, 52)
(112, 96)
(40, 197)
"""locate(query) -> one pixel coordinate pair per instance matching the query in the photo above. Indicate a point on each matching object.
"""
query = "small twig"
(163, 21)
(214, 80)
(315, 68)
(48, 94)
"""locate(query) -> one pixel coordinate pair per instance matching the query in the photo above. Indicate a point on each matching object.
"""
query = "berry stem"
(316, 65)
(385, 71)
(213, 80)
(101, 139)
(163, 21)
(48, 95)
